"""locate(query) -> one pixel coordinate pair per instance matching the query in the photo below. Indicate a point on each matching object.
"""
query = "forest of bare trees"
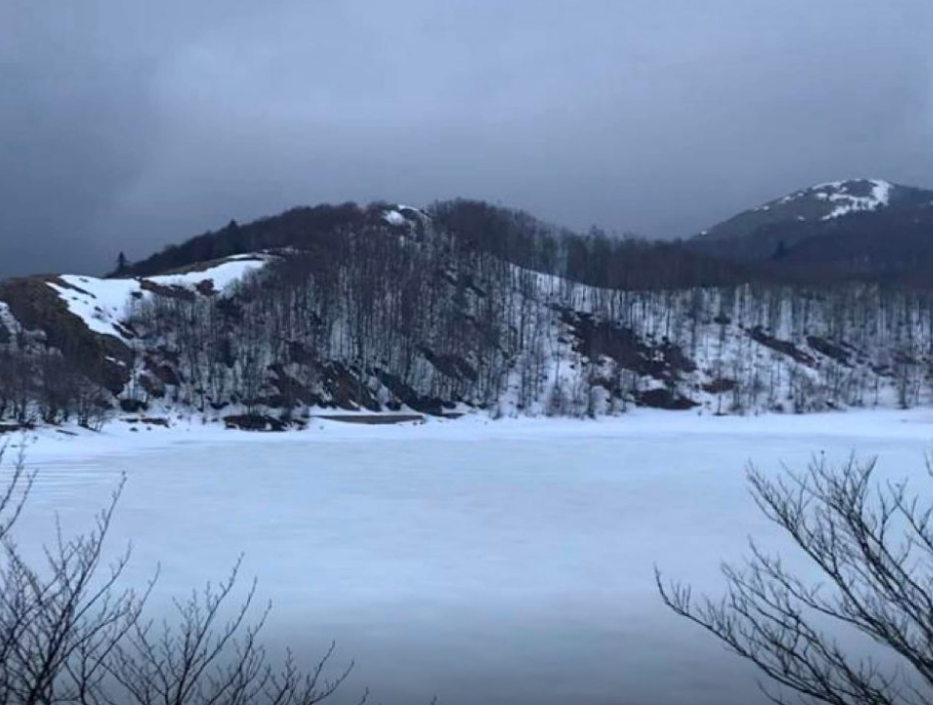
(425, 318)
(471, 306)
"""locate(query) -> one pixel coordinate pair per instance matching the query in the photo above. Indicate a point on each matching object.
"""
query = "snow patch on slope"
(394, 218)
(411, 209)
(403, 215)
(223, 275)
(847, 203)
(102, 303)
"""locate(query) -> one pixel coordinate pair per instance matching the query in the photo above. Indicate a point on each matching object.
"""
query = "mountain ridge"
(861, 228)
(822, 202)
(460, 308)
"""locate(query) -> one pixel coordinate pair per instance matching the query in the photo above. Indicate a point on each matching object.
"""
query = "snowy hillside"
(401, 315)
(507, 342)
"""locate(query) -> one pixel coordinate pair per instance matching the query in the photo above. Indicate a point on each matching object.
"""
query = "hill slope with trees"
(463, 307)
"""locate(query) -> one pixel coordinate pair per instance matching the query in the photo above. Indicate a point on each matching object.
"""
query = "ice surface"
(484, 562)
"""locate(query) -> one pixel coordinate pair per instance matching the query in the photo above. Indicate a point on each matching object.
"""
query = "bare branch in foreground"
(873, 546)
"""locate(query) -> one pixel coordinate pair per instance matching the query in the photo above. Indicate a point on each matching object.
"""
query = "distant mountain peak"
(845, 197)
(825, 203)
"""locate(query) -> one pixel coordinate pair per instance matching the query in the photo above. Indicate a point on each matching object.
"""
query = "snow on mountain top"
(849, 184)
(846, 196)
(846, 202)
(412, 209)
(402, 214)
(394, 218)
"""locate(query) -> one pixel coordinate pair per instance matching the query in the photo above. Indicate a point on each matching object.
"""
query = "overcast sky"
(129, 124)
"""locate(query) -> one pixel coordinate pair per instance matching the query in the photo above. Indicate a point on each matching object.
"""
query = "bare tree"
(70, 634)
(206, 660)
(13, 495)
(60, 623)
(872, 544)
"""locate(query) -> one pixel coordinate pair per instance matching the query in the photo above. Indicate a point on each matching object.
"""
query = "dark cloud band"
(124, 127)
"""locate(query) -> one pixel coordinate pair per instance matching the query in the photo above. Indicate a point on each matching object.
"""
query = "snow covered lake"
(482, 562)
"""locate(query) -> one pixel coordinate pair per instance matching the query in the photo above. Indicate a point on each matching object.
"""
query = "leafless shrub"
(872, 544)
(70, 634)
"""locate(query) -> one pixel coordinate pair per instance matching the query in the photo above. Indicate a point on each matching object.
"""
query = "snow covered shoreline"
(120, 438)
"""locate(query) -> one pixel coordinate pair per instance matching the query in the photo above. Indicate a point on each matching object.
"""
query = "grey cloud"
(127, 125)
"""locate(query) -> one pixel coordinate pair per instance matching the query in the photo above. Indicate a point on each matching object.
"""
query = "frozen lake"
(479, 562)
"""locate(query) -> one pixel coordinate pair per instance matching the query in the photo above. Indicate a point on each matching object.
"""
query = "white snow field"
(482, 562)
